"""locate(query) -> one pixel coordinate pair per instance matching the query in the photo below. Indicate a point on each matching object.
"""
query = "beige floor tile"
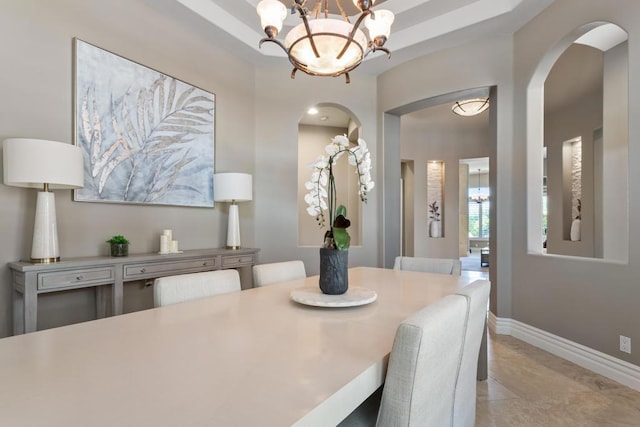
(530, 387)
(493, 390)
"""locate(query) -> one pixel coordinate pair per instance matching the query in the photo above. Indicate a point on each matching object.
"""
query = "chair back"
(186, 287)
(423, 366)
(276, 272)
(429, 265)
(464, 405)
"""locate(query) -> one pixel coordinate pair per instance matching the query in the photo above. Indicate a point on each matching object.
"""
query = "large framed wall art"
(147, 138)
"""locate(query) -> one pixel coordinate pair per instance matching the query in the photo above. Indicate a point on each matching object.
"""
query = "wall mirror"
(584, 146)
(316, 128)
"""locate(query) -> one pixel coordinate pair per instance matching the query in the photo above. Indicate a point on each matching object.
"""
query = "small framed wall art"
(147, 138)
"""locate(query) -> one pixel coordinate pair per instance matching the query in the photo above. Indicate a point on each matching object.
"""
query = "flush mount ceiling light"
(324, 46)
(470, 107)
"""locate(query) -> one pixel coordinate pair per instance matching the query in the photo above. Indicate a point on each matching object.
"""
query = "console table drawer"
(157, 269)
(236, 261)
(75, 278)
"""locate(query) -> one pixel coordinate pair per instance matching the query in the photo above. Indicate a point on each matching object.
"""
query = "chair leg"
(483, 369)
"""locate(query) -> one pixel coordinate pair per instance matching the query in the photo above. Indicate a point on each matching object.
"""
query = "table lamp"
(234, 188)
(49, 165)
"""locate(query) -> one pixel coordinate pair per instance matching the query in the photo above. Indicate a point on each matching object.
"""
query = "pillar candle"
(174, 246)
(164, 244)
(169, 234)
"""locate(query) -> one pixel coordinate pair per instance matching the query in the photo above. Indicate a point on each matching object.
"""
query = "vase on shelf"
(334, 276)
(434, 229)
(575, 230)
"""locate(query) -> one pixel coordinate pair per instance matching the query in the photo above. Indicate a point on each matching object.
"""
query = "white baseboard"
(613, 368)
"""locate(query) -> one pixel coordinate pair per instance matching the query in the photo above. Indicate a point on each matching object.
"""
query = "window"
(479, 219)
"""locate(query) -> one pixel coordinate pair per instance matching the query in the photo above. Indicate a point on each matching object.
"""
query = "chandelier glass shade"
(470, 107)
(322, 45)
(330, 36)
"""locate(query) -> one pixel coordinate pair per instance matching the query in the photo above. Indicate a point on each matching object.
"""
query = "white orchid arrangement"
(322, 188)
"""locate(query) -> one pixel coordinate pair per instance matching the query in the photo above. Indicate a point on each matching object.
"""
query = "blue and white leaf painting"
(146, 137)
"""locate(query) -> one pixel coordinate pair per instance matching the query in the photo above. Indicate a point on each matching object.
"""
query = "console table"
(29, 280)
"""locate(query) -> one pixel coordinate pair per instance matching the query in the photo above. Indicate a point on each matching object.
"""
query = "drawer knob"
(143, 270)
(79, 277)
(204, 263)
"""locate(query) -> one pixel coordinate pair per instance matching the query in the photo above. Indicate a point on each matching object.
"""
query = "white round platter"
(312, 295)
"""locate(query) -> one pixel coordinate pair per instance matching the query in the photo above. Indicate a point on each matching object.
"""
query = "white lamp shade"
(34, 162)
(381, 25)
(232, 187)
(272, 13)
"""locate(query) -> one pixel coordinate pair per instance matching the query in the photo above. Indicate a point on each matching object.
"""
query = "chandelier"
(478, 197)
(470, 107)
(324, 46)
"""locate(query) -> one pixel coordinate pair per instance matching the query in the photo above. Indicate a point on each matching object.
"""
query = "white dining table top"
(250, 358)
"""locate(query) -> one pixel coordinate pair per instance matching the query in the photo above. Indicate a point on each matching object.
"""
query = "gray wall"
(438, 134)
(481, 63)
(578, 119)
(280, 102)
(36, 102)
(587, 301)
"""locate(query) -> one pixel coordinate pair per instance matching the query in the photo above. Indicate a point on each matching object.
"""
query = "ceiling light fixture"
(470, 107)
(324, 46)
(478, 197)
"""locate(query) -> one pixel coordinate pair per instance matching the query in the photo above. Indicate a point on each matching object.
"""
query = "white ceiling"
(420, 27)
(477, 166)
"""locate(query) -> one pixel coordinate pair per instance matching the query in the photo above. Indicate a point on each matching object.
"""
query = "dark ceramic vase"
(334, 276)
(119, 249)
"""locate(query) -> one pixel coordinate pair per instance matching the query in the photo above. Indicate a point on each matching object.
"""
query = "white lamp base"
(44, 248)
(233, 228)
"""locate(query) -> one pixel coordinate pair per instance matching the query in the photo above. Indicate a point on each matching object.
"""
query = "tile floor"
(530, 387)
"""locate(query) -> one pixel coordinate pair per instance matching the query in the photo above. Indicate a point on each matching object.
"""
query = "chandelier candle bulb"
(272, 14)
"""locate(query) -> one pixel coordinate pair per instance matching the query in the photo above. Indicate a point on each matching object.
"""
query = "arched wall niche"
(315, 132)
(602, 159)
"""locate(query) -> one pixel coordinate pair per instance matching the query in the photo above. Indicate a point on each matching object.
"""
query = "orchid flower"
(320, 198)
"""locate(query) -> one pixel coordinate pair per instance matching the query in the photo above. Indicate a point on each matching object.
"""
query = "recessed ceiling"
(420, 27)
(327, 116)
(604, 37)
(477, 166)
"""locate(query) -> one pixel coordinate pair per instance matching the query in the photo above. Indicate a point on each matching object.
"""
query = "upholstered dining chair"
(186, 287)
(423, 366)
(429, 265)
(276, 272)
(464, 404)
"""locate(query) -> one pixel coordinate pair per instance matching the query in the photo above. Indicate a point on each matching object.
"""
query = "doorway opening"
(475, 220)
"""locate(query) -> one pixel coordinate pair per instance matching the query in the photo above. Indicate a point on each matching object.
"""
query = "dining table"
(279, 355)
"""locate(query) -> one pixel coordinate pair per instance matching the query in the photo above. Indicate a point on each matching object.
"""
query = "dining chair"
(423, 366)
(186, 287)
(464, 403)
(429, 265)
(276, 272)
